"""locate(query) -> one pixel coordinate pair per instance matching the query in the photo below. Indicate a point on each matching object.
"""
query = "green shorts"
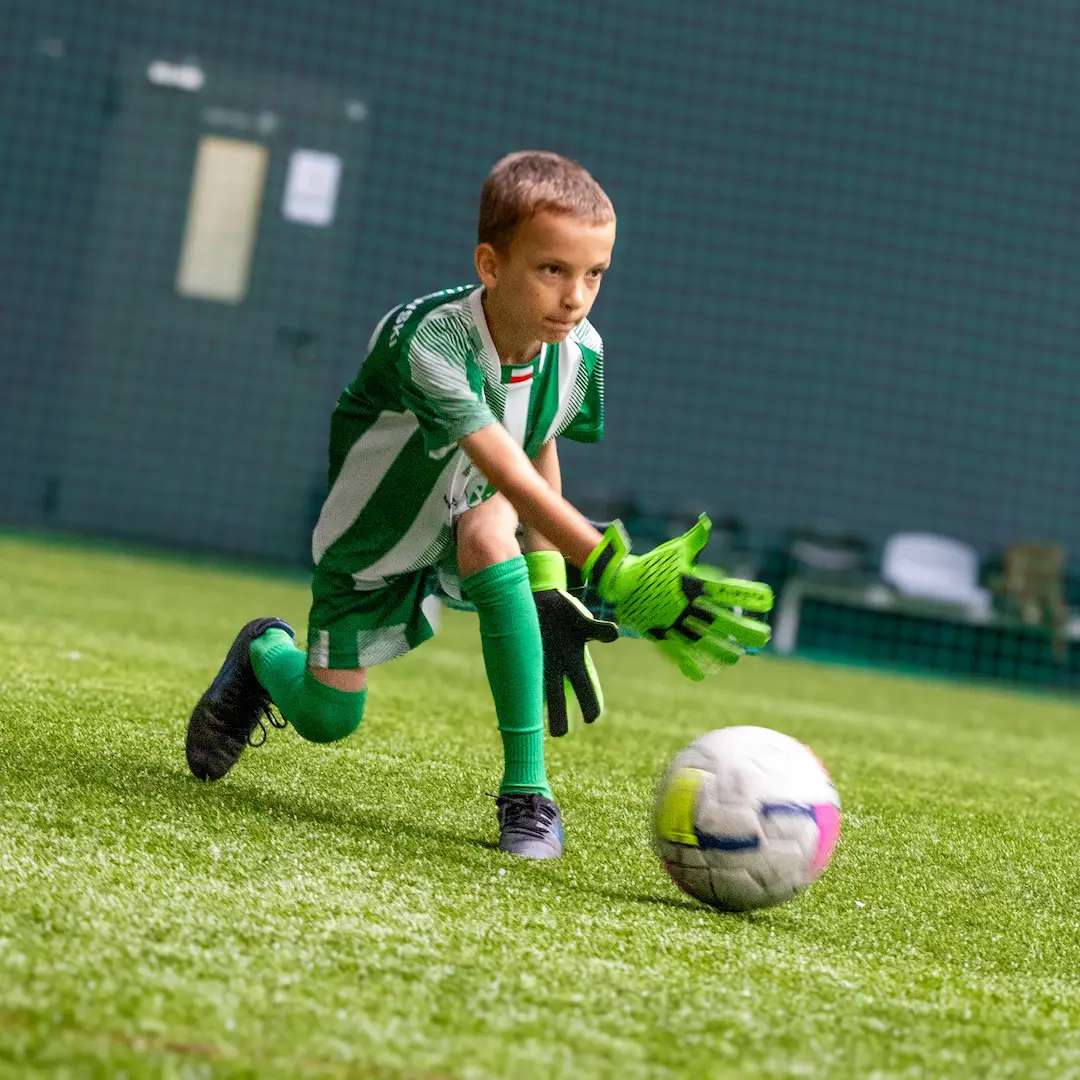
(350, 627)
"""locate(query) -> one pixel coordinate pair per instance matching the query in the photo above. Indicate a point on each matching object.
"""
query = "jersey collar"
(489, 358)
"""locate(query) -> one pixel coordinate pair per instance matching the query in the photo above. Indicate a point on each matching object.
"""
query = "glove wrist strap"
(611, 551)
(547, 570)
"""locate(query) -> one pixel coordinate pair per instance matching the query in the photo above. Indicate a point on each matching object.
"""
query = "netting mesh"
(843, 303)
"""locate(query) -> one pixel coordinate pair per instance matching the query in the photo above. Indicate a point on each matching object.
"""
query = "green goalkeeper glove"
(685, 608)
(566, 628)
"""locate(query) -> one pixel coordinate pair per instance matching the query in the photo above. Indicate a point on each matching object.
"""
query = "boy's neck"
(511, 350)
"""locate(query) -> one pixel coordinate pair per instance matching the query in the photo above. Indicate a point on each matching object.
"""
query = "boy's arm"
(664, 595)
(546, 463)
(540, 508)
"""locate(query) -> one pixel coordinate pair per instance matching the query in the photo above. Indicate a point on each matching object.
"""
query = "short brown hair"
(529, 181)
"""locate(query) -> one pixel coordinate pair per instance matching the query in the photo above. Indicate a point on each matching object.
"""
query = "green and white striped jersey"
(398, 479)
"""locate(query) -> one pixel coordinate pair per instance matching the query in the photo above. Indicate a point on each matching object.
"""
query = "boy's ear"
(487, 264)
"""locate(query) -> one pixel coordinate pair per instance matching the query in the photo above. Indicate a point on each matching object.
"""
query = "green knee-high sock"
(514, 659)
(319, 713)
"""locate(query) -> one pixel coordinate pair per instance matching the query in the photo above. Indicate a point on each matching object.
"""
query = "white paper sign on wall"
(311, 187)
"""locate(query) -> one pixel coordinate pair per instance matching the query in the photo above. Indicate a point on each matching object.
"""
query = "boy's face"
(549, 276)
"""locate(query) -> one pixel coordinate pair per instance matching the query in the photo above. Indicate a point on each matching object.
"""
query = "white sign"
(189, 77)
(224, 208)
(311, 187)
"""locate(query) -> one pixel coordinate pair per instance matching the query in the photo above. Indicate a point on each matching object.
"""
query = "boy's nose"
(575, 298)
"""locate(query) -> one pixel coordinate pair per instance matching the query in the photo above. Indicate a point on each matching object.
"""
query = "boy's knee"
(328, 714)
(487, 535)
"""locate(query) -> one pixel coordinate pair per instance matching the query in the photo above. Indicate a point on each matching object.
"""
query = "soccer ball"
(746, 817)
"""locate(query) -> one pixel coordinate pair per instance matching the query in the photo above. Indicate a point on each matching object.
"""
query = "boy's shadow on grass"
(161, 790)
(322, 810)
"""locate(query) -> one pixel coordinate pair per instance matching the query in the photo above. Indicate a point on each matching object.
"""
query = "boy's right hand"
(685, 608)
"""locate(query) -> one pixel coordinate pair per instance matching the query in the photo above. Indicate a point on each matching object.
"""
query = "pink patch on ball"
(827, 817)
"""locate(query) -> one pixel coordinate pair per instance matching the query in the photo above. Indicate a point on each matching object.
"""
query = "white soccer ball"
(746, 817)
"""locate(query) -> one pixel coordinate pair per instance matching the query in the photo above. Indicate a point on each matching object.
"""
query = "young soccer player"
(441, 447)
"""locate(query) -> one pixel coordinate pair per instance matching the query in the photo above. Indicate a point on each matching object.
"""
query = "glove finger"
(703, 658)
(740, 636)
(734, 592)
(558, 721)
(587, 625)
(594, 679)
(746, 631)
(603, 631)
(689, 667)
(716, 651)
(690, 664)
(682, 657)
(696, 539)
(713, 652)
(586, 686)
(707, 619)
(685, 548)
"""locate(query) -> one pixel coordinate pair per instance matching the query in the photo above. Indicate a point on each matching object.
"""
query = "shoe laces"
(274, 720)
(528, 814)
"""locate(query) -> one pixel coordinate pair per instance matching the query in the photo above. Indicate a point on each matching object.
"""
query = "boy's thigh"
(486, 534)
(349, 629)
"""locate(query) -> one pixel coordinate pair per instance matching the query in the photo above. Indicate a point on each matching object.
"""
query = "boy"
(439, 449)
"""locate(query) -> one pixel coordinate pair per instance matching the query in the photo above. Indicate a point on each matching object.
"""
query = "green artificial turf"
(341, 911)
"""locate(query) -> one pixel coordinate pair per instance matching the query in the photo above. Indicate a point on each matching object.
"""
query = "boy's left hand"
(566, 628)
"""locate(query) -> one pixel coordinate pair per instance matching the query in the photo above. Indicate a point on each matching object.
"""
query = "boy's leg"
(323, 705)
(264, 667)
(321, 693)
(495, 580)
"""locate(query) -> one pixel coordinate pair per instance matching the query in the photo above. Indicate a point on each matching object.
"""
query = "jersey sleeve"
(587, 424)
(443, 385)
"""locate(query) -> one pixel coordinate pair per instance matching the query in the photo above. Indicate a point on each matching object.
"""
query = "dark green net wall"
(846, 277)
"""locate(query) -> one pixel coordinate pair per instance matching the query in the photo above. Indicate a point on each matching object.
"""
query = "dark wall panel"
(847, 267)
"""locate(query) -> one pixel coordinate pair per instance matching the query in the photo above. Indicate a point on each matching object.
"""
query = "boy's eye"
(551, 268)
(596, 274)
